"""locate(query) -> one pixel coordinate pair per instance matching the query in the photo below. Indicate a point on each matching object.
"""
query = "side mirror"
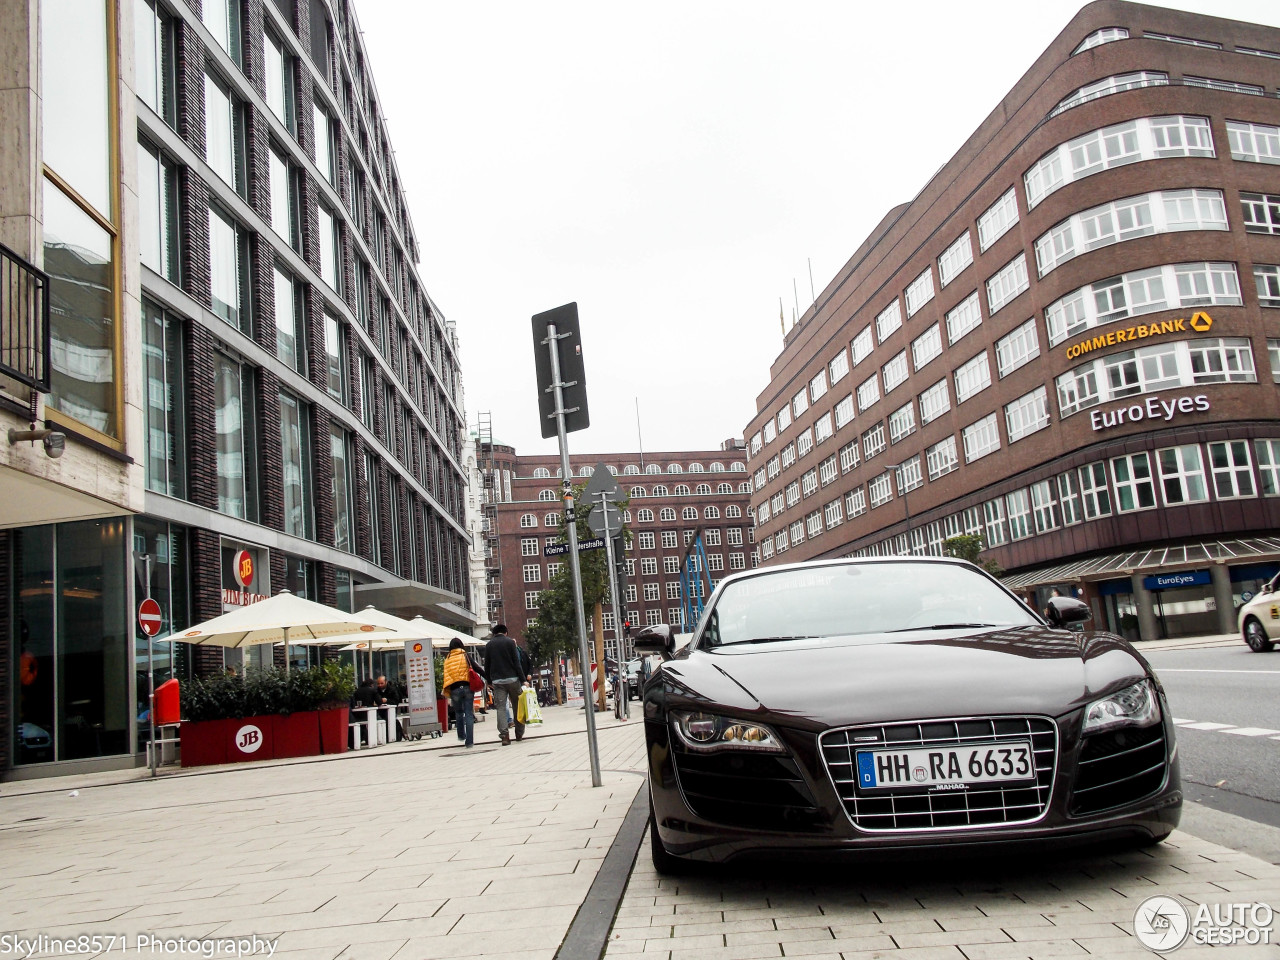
(653, 640)
(1065, 610)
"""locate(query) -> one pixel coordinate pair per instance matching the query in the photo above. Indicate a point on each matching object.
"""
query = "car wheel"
(663, 862)
(1256, 637)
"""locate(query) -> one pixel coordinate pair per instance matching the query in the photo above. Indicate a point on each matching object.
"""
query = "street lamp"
(905, 506)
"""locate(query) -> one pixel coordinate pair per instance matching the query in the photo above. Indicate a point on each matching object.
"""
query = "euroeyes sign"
(1166, 581)
(1153, 408)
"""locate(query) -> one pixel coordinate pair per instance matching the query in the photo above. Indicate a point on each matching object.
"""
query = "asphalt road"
(1237, 773)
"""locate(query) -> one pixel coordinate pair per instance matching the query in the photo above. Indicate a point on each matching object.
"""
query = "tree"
(969, 547)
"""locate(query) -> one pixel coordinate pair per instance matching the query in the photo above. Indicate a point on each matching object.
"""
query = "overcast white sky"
(671, 166)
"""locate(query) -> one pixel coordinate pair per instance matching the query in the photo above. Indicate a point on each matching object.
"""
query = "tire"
(663, 862)
(1256, 637)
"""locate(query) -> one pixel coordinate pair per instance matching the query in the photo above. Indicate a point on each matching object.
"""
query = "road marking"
(1209, 725)
(1188, 670)
(1252, 732)
(1205, 725)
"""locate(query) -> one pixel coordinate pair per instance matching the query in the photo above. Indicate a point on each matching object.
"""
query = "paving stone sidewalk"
(418, 851)
(1079, 906)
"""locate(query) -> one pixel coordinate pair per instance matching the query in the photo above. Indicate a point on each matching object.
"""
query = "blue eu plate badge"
(866, 770)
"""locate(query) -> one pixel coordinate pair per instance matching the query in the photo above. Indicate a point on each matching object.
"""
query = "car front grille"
(917, 808)
(1118, 768)
(741, 789)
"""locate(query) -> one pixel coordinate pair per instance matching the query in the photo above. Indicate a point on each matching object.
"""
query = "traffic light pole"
(571, 527)
(621, 698)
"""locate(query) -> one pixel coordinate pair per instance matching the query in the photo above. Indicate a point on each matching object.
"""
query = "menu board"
(419, 667)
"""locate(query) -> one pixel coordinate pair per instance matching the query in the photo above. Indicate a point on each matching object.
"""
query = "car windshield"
(859, 598)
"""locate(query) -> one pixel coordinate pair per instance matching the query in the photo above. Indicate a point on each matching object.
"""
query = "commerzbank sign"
(1201, 323)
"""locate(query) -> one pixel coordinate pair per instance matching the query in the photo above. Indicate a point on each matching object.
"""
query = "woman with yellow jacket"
(457, 684)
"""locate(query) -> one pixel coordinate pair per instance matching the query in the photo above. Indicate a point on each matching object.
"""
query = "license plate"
(1005, 762)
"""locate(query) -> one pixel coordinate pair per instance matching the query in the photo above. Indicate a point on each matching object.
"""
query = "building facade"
(1067, 343)
(239, 337)
(672, 496)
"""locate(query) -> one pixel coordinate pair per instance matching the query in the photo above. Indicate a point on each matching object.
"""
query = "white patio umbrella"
(283, 618)
(419, 628)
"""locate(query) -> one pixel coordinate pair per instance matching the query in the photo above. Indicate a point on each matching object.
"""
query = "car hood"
(835, 681)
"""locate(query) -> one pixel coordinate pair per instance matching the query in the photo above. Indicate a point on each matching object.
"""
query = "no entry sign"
(149, 617)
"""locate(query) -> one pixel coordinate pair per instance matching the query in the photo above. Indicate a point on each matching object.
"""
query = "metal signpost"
(150, 618)
(551, 330)
(605, 521)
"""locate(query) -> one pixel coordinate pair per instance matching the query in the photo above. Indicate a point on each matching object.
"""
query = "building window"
(1018, 504)
(813, 527)
(908, 475)
(828, 470)
(1261, 212)
(1266, 278)
(962, 318)
(997, 219)
(531, 599)
(996, 533)
(237, 443)
(1135, 489)
(283, 206)
(1268, 452)
(934, 402)
(1254, 142)
(645, 541)
(224, 134)
(330, 269)
(528, 545)
(832, 513)
(295, 445)
(229, 269)
(849, 456)
(804, 443)
(1164, 211)
(941, 458)
(1017, 348)
(902, 422)
(784, 418)
(799, 404)
(889, 320)
(158, 212)
(955, 259)
(788, 455)
(528, 520)
(972, 377)
(1044, 503)
(670, 565)
(844, 411)
(868, 392)
(918, 293)
(153, 43)
(793, 496)
(1007, 283)
(335, 360)
(926, 347)
(1225, 86)
(1069, 498)
(278, 73)
(1109, 85)
(532, 572)
(838, 367)
(881, 490)
(861, 346)
(166, 401)
(1028, 414)
(1099, 37)
(855, 502)
(223, 18)
(895, 371)
(667, 514)
(818, 386)
(291, 344)
(981, 438)
(1231, 469)
(343, 516)
(821, 429)
(809, 482)
(873, 441)
(552, 520)
(1182, 474)
(324, 143)
(737, 561)
(1094, 491)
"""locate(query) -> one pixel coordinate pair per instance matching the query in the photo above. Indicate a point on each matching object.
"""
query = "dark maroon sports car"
(898, 705)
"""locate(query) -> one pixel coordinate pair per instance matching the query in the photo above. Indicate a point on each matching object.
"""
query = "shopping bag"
(529, 706)
(520, 710)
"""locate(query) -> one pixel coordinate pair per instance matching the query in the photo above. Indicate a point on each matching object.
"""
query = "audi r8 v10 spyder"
(901, 706)
(1259, 619)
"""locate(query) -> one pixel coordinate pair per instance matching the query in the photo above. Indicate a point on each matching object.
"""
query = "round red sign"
(149, 617)
(244, 568)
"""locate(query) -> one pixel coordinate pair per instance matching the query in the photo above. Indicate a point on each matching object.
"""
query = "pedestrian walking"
(456, 682)
(506, 665)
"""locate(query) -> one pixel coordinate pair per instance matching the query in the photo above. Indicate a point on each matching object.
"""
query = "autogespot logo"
(1161, 924)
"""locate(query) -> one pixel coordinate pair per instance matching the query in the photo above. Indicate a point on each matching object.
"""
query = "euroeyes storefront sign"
(1167, 581)
(1153, 408)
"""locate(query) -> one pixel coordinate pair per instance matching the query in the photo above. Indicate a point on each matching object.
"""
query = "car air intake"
(1118, 768)
(741, 789)
(972, 805)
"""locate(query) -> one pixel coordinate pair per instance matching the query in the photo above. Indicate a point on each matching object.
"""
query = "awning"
(1158, 558)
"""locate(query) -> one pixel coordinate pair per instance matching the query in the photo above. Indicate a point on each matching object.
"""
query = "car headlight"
(706, 731)
(1134, 706)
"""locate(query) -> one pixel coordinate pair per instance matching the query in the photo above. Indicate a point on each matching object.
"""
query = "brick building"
(1067, 343)
(672, 496)
(271, 375)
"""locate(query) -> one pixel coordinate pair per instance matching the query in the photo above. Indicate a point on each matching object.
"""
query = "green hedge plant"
(267, 691)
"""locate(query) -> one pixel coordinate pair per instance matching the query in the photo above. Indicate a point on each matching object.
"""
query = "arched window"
(638, 492)
(613, 471)
(738, 467)
(659, 490)
(717, 466)
(682, 489)
(547, 495)
(674, 468)
(733, 510)
(668, 513)
(653, 468)
(695, 468)
(552, 519)
(644, 516)
(541, 473)
(626, 516)
(744, 486)
(690, 513)
(630, 470)
(725, 488)
(585, 471)
(528, 520)
(711, 513)
(704, 489)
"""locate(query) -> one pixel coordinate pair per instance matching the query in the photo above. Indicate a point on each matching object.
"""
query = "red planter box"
(228, 741)
(442, 712)
(295, 735)
(333, 730)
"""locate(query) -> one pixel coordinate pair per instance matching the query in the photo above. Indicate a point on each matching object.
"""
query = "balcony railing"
(24, 321)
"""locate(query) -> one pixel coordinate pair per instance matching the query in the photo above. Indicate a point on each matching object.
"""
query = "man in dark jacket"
(506, 666)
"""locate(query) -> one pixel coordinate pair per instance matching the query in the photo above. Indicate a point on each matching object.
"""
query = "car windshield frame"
(893, 601)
